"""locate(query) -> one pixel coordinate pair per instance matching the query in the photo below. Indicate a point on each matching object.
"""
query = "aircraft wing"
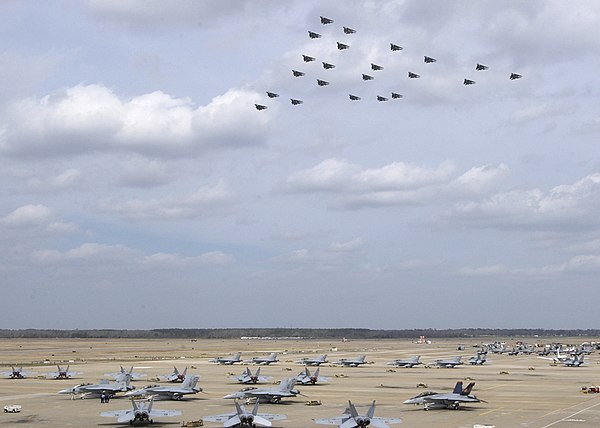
(159, 412)
(121, 415)
(330, 421)
(219, 418)
(272, 417)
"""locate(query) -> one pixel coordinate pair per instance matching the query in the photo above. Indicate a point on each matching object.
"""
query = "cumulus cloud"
(37, 218)
(91, 118)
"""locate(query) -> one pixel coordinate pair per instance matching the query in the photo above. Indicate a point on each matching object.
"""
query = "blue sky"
(143, 189)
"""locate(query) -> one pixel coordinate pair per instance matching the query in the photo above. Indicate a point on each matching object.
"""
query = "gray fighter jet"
(448, 400)
(295, 102)
(297, 73)
(342, 46)
(429, 60)
(260, 107)
(305, 378)
(351, 419)
(367, 77)
(326, 21)
(265, 361)
(468, 82)
(314, 35)
(176, 376)
(376, 67)
(247, 377)
(396, 95)
(354, 97)
(307, 58)
(448, 363)
(380, 98)
(104, 387)
(481, 67)
(328, 66)
(352, 362)
(413, 75)
(122, 374)
(574, 361)
(348, 30)
(236, 358)
(170, 392)
(62, 373)
(394, 47)
(321, 358)
(272, 94)
(478, 360)
(141, 413)
(268, 395)
(514, 76)
(17, 373)
(242, 418)
(410, 363)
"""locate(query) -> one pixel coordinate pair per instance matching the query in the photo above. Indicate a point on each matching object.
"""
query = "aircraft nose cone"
(234, 395)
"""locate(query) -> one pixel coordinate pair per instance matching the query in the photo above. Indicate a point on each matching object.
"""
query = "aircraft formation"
(309, 68)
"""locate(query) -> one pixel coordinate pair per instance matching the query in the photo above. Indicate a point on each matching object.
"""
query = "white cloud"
(28, 215)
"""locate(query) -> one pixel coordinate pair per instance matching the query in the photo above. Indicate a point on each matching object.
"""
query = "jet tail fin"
(458, 387)
(371, 411)
(468, 389)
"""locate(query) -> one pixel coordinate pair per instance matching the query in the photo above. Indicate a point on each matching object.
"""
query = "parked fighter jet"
(326, 21)
(272, 94)
(17, 373)
(295, 102)
(305, 378)
(297, 73)
(170, 392)
(314, 35)
(142, 412)
(354, 97)
(367, 77)
(328, 66)
(307, 58)
(227, 360)
(380, 98)
(104, 387)
(449, 364)
(260, 107)
(321, 358)
(351, 419)
(481, 67)
(349, 30)
(122, 374)
(575, 361)
(468, 82)
(62, 373)
(322, 82)
(176, 376)
(434, 400)
(271, 358)
(248, 377)
(414, 361)
(268, 395)
(376, 67)
(557, 358)
(242, 418)
(514, 76)
(342, 46)
(396, 95)
(413, 75)
(352, 362)
(394, 47)
(478, 360)
(429, 60)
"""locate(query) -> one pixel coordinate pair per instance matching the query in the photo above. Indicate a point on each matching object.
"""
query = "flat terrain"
(521, 391)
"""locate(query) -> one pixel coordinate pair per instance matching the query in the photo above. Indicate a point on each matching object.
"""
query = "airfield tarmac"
(521, 391)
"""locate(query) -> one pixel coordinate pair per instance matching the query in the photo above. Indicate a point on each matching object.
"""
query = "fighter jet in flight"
(307, 58)
(429, 60)
(396, 95)
(272, 94)
(394, 47)
(268, 395)
(314, 35)
(481, 67)
(295, 102)
(367, 77)
(514, 76)
(169, 392)
(305, 378)
(352, 362)
(354, 97)
(468, 82)
(176, 376)
(342, 46)
(434, 400)
(260, 107)
(297, 73)
(62, 373)
(242, 418)
(328, 66)
(321, 358)
(413, 75)
(247, 377)
(380, 98)
(351, 419)
(326, 21)
(414, 361)
(349, 30)
(322, 82)
(142, 413)
(271, 358)
(376, 67)
(236, 358)
(17, 373)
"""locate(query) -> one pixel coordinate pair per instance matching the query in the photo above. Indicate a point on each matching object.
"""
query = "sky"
(141, 188)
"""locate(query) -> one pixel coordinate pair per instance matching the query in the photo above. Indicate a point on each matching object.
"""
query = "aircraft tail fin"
(371, 411)
(255, 409)
(458, 387)
(317, 372)
(237, 356)
(468, 389)
(257, 374)
(185, 371)
(238, 408)
(352, 409)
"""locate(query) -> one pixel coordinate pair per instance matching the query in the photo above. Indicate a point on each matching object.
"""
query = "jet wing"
(159, 412)
(219, 418)
(330, 421)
